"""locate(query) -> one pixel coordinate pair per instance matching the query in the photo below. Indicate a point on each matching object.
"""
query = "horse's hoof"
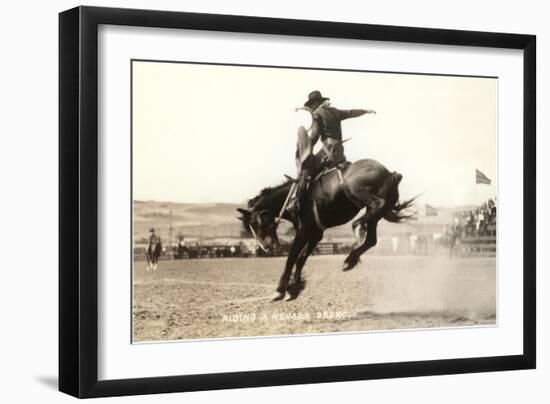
(278, 296)
(295, 290)
(348, 267)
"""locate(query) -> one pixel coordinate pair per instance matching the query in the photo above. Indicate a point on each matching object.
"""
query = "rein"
(256, 238)
(285, 204)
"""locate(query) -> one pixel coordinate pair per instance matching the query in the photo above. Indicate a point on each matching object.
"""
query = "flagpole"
(481, 179)
(475, 189)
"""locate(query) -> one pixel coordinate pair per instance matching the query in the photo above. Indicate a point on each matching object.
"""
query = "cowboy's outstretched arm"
(315, 125)
(354, 113)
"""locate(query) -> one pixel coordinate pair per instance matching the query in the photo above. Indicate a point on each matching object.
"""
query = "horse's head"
(260, 219)
(262, 225)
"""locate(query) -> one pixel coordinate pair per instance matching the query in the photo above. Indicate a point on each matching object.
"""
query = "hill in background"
(219, 221)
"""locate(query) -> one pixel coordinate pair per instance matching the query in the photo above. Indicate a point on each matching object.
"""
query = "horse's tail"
(394, 213)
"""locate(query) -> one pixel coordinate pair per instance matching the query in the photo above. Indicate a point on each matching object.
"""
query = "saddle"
(328, 183)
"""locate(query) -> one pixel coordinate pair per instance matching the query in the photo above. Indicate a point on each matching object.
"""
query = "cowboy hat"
(315, 98)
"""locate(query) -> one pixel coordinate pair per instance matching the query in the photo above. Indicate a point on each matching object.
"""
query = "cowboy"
(327, 126)
(153, 238)
(153, 250)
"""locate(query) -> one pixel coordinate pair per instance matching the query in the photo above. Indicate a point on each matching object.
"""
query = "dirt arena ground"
(214, 298)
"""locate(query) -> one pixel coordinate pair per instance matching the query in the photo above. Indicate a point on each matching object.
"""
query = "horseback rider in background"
(153, 238)
(327, 126)
(154, 249)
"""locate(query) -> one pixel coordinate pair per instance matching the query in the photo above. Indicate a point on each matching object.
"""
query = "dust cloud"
(437, 287)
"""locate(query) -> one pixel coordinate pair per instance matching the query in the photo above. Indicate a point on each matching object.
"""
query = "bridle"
(258, 242)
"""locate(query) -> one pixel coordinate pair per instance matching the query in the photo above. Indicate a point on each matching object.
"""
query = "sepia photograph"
(283, 201)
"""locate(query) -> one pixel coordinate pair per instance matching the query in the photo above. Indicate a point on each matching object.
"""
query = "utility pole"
(170, 230)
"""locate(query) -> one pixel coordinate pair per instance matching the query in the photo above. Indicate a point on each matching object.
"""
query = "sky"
(219, 133)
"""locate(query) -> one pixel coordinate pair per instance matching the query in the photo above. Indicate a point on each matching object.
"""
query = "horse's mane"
(266, 192)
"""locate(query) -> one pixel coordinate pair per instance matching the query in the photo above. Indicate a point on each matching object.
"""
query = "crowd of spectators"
(480, 221)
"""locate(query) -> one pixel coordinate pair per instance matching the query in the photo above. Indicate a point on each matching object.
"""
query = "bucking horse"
(336, 196)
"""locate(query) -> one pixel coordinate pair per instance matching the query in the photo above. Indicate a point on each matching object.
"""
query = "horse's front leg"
(297, 284)
(297, 246)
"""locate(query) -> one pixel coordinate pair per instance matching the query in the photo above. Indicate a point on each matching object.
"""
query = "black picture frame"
(78, 201)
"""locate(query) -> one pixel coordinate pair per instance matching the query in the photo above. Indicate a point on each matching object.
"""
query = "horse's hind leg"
(359, 231)
(369, 241)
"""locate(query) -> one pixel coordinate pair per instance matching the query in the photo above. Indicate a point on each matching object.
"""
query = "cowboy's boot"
(293, 209)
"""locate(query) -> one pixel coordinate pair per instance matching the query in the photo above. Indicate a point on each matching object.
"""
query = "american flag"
(482, 178)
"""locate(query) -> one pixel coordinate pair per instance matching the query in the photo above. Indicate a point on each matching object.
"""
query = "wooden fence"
(468, 246)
